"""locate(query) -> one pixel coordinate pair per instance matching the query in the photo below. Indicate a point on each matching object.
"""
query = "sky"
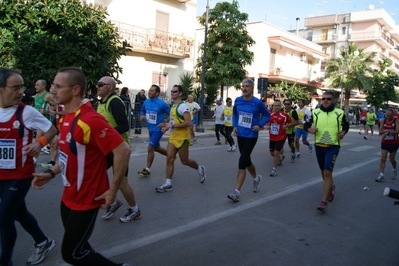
(283, 13)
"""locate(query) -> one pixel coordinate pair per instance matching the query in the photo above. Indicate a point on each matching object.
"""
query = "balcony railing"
(367, 35)
(152, 40)
(323, 38)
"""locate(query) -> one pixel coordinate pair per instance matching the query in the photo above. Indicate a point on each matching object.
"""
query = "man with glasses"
(17, 122)
(85, 140)
(113, 109)
(155, 111)
(329, 128)
(247, 123)
(290, 131)
(179, 140)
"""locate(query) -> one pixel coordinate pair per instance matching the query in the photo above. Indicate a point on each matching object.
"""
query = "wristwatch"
(49, 171)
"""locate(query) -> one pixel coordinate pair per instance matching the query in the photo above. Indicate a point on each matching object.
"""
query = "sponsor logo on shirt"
(104, 133)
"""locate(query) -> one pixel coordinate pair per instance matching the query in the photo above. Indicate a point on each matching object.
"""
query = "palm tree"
(350, 71)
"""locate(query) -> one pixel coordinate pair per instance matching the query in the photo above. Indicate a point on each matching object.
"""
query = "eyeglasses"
(17, 87)
(229, 102)
(57, 87)
(101, 84)
(326, 99)
(174, 91)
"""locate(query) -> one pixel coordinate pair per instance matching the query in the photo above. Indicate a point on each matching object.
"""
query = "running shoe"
(273, 172)
(111, 210)
(45, 150)
(164, 188)
(230, 149)
(234, 147)
(292, 157)
(218, 143)
(331, 197)
(144, 173)
(394, 174)
(322, 206)
(280, 162)
(256, 184)
(40, 252)
(298, 155)
(365, 137)
(235, 196)
(380, 178)
(47, 165)
(124, 264)
(201, 173)
(130, 216)
(310, 148)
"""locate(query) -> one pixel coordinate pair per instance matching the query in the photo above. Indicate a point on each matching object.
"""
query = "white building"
(161, 36)
(279, 55)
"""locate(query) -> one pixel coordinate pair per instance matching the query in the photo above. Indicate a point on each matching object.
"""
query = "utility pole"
(200, 126)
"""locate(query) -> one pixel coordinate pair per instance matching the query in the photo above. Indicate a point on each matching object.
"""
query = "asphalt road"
(196, 224)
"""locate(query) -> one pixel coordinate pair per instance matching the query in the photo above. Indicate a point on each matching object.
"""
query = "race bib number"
(363, 118)
(172, 122)
(227, 118)
(151, 117)
(274, 129)
(63, 160)
(245, 119)
(8, 153)
(390, 137)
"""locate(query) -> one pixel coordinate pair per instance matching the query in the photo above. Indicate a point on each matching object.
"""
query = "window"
(343, 30)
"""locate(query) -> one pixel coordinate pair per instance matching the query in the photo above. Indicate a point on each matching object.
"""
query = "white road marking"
(138, 243)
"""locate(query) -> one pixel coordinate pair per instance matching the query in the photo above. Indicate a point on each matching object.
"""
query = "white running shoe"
(201, 173)
(256, 184)
(234, 147)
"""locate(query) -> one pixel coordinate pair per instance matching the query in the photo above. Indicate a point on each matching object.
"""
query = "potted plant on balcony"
(278, 70)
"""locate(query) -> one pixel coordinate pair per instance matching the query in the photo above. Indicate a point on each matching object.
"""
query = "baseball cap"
(219, 99)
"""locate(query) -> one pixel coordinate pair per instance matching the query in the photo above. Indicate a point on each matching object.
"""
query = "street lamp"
(200, 126)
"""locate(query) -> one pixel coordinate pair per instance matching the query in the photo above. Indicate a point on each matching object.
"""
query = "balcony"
(381, 38)
(395, 51)
(323, 39)
(151, 41)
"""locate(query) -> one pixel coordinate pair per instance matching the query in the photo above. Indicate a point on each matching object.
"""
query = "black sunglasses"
(326, 99)
(101, 84)
(174, 91)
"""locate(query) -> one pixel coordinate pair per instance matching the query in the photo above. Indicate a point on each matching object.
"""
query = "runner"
(277, 126)
(247, 123)
(85, 139)
(303, 114)
(156, 112)
(389, 130)
(179, 126)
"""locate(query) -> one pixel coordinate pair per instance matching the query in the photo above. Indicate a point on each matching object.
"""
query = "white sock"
(237, 191)
(381, 174)
(42, 243)
(148, 169)
(168, 181)
(134, 208)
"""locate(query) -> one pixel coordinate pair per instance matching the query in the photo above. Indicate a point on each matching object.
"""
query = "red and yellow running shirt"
(276, 122)
(85, 139)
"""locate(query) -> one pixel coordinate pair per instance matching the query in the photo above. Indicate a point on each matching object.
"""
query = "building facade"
(160, 34)
(372, 30)
(278, 55)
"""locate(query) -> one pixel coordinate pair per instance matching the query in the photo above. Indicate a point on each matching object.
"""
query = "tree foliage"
(186, 81)
(41, 36)
(383, 84)
(350, 71)
(283, 90)
(227, 46)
